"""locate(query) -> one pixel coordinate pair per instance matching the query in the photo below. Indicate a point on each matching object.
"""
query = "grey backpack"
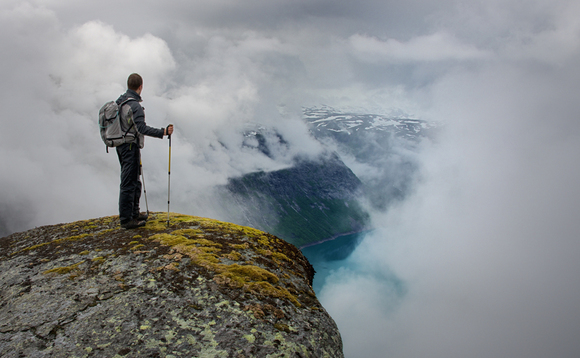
(117, 125)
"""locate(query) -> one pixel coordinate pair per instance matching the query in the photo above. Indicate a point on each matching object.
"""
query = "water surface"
(329, 256)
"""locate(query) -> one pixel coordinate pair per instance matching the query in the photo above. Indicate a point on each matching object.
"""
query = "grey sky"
(488, 243)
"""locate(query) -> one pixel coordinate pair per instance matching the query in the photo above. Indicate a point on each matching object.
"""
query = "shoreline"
(333, 238)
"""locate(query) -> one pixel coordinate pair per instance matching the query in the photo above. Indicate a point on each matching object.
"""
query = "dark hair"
(134, 81)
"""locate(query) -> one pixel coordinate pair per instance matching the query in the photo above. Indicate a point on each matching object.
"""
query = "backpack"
(117, 125)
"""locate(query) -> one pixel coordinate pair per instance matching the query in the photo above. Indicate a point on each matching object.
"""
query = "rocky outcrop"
(195, 288)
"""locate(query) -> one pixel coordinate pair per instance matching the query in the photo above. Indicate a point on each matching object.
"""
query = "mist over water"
(330, 256)
(471, 262)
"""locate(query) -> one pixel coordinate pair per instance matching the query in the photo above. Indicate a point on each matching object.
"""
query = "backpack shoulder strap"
(132, 124)
(125, 102)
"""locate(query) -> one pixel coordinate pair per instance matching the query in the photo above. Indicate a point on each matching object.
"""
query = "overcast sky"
(486, 247)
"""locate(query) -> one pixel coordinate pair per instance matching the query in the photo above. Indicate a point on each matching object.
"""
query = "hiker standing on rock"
(130, 156)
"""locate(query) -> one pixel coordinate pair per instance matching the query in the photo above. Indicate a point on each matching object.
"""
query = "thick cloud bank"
(481, 260)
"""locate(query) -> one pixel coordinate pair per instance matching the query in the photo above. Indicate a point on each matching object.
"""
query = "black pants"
(130, 193)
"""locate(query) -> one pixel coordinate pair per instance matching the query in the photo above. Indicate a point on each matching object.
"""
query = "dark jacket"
(139, 115)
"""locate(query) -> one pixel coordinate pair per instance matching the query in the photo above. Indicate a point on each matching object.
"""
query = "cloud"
(62, 75)
(54, 82)
(485, 247)
(486, 250)
(439, 46)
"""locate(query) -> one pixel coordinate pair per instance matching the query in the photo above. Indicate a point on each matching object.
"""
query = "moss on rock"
(195, 287)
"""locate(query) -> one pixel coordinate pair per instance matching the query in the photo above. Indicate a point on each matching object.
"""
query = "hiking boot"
(133, 224)
(141, 217)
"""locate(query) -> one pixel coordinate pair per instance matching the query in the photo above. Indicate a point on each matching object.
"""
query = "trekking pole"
(169, 180)
(144, 189)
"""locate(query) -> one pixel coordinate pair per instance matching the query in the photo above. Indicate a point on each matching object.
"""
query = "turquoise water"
(330, 256)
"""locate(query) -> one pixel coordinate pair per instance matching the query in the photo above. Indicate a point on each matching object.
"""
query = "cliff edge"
(196, 288)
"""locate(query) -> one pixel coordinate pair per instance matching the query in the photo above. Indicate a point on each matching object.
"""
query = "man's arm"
(142, 127)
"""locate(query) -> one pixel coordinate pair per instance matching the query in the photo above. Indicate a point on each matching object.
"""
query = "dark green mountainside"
(311, 201)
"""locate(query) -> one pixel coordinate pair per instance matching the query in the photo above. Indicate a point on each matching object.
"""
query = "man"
(130, 156)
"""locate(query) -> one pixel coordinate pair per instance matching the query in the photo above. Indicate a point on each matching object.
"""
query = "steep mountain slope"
(311, 201)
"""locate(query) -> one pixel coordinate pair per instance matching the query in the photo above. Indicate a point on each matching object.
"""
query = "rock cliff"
(195, 288)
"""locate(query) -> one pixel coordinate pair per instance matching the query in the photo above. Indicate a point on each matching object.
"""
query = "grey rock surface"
(198, 288)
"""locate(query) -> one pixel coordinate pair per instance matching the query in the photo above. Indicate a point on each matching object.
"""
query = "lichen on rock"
(194, 288)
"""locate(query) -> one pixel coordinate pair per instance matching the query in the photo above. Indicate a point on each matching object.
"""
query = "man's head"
(135, 82)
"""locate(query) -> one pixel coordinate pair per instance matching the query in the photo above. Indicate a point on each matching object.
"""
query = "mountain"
(196, 288)
(308, 202)
(317, 199)
(381, 146)
(327, 121)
